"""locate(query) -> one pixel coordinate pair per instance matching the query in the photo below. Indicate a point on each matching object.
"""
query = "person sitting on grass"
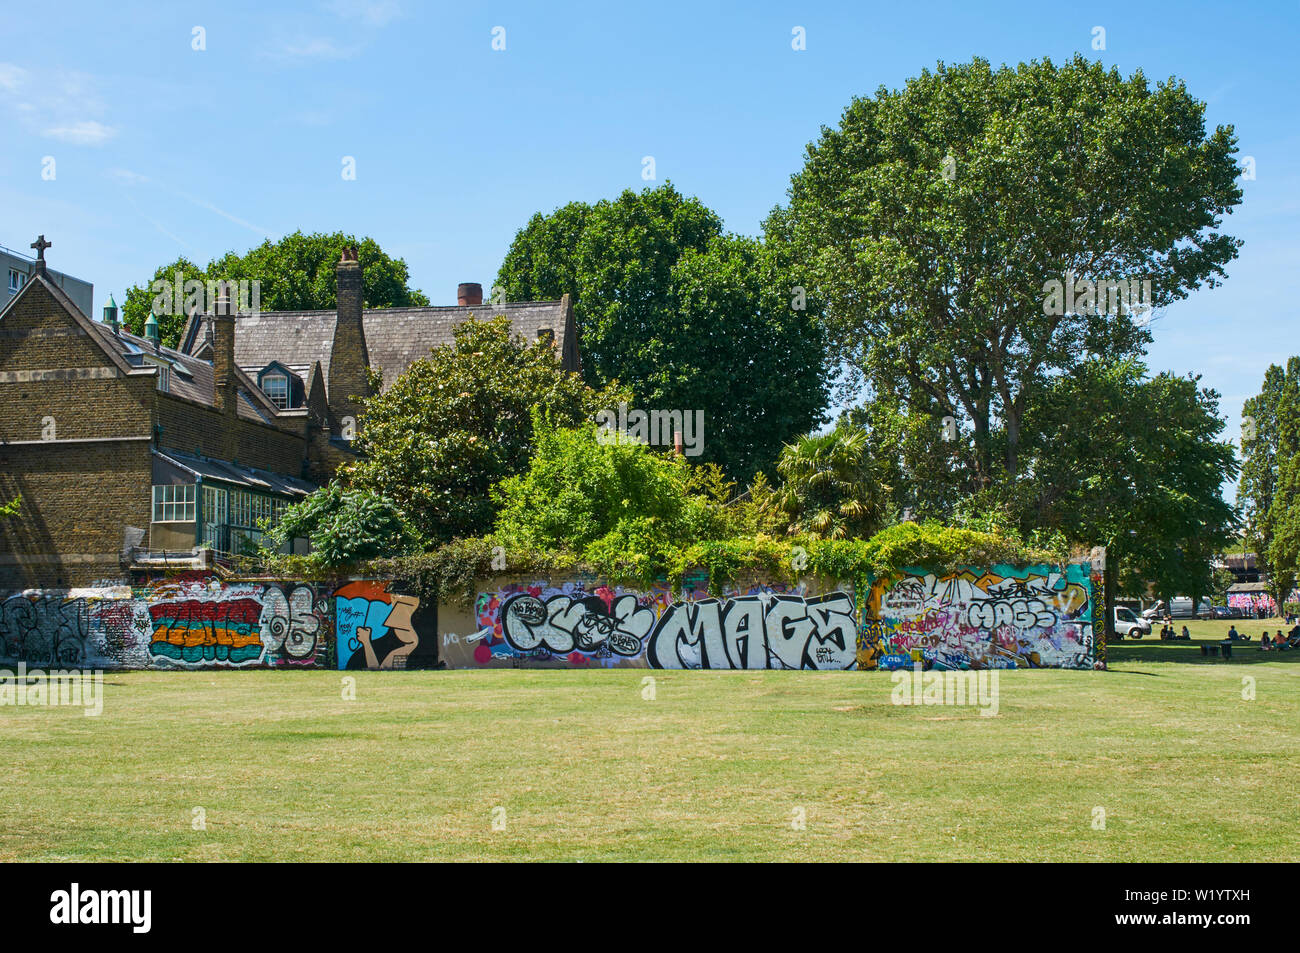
(1265, 643)
(1232, 634)
(1186, 636)
(1280, 642)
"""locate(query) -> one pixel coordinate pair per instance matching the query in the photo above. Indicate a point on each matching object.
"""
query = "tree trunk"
(1013, 443)
(1108, 576)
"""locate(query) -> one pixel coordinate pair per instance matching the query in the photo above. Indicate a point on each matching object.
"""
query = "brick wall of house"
(191, 427)
(77, 500)
(74, 445)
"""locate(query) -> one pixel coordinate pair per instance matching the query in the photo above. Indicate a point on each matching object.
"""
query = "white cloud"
(57, 104)
(372, 12)
(129, 177)
(12, 77)
(87, 132)
(304, 49)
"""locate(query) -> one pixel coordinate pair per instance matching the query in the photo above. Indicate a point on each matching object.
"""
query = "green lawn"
(713, 768)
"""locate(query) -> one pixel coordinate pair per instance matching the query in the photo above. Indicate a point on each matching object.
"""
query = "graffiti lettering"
(762, 631)
(995, 619)
(44, 630)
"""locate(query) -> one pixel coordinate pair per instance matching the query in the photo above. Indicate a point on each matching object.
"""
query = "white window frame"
(283, 400)
(173, 503)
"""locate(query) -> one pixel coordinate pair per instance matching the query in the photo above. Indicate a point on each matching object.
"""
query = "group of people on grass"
(1168, 634)
(1269, 643)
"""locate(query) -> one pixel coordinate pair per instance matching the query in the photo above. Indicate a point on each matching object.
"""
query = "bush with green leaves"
(345, 526)
(614, 502)
(829, 489)
(922, 546)
(461, 420)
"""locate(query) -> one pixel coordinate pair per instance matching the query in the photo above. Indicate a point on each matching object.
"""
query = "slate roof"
(191, 378)
(395, 337)
(237, 474)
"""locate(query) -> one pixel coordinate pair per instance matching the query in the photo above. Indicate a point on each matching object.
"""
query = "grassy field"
(716, 767)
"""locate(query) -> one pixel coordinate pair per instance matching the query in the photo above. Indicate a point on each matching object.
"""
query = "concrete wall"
(997, 618)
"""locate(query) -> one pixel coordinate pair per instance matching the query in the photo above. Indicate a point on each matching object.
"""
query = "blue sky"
(163, 150)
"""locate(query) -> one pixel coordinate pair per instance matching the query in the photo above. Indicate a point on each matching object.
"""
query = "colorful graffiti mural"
(578, 623)
(191, 621)
(999, 618)
(375, 628)
(198, 621)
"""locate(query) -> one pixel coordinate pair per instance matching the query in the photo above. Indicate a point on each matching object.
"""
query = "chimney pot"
(468, 293)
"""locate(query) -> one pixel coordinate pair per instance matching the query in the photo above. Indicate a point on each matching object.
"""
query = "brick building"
(129, 455)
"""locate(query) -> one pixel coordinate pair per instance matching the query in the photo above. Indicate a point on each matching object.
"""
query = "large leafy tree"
(686, 317)
(1269, 420)
(344, 526)
(935, 216)
(295, 273)
(1282, 520)
(461, 420)
(917, 456)
(1135, 464)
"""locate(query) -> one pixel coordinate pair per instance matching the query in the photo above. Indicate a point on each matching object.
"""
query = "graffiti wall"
(1002, 617)
(585, 623)
(184, 622)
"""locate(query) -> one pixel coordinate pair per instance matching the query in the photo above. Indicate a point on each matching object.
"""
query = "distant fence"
(999, 617)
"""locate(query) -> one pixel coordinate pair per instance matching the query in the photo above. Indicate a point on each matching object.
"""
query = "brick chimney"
(225, 383)
(349, 359)
(469, 292)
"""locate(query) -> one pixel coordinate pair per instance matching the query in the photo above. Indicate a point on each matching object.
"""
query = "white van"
(1180, 607)
(1129, 623)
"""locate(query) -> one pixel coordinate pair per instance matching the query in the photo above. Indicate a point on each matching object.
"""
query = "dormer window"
(163, 371)
(282, 387)
(276, 387)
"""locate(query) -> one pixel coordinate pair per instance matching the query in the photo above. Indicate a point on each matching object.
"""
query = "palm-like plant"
(828, 487)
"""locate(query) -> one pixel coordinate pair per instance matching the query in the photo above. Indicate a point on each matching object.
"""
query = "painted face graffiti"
(374, 626)
(566, 624)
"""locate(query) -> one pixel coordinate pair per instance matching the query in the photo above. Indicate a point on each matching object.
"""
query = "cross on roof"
(40, 245)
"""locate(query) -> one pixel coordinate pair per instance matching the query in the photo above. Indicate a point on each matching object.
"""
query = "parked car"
(1219, 612)
(1129, 623)
(1180, 607)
